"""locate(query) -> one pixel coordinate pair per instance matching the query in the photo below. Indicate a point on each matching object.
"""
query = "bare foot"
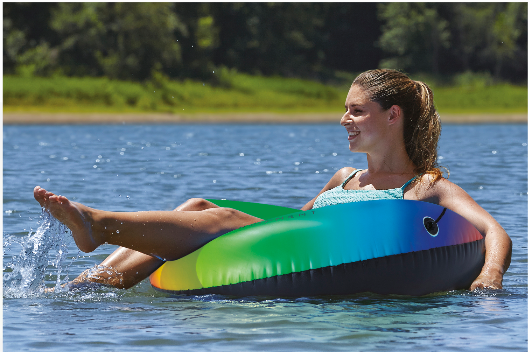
(74, 215)
(93, 278)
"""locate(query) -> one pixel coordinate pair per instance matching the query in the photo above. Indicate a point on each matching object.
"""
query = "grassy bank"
(231, 92)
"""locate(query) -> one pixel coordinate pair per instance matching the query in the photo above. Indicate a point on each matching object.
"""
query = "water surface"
(157, 167)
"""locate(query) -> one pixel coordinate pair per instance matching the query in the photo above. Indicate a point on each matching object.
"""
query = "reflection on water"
(131, 168)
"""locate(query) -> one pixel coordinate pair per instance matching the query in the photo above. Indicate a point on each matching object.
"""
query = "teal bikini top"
(340, 195)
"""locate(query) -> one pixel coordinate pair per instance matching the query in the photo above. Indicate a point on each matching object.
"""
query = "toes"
(39, 194)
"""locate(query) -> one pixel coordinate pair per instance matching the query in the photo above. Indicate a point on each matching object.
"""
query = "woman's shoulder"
(435, 191)
(343, 173)
(340, 176)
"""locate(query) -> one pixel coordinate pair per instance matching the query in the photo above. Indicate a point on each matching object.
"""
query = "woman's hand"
(488, 279)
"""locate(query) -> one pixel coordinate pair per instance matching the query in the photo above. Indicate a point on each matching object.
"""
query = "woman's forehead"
(357, 96)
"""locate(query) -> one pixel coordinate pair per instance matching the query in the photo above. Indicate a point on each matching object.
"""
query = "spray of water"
(43, 253)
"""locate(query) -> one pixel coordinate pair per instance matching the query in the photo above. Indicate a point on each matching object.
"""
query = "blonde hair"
(421, 126)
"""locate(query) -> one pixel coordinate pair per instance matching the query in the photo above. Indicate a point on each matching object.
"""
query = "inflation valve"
(431, 225)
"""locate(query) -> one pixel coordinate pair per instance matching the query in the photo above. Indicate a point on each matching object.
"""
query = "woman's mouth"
(352, 134)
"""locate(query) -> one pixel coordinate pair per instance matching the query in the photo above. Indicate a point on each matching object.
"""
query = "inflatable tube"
(383, 246)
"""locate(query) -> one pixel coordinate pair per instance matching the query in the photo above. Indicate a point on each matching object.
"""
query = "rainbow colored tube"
(384, 246)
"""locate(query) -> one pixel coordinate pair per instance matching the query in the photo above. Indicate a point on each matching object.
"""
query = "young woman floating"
(388, 116)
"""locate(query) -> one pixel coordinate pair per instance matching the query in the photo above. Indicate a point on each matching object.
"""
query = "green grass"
(496, 99)
(244, 93)
(233, 92)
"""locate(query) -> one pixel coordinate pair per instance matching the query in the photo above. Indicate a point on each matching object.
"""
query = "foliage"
(455, 37)
(415, 33)
(122, 39)
(245, 94)
(132, 41)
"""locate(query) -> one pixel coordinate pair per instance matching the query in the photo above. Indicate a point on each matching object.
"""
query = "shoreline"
(25, 118)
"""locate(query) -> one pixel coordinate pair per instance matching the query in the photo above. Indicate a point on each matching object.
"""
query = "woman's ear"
(396, 114)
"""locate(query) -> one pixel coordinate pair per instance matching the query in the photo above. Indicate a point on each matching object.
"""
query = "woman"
(388, 116)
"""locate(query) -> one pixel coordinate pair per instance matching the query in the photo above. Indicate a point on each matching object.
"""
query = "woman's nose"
(345, 119)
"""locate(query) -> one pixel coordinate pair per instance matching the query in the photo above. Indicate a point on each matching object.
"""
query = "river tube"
(384, 246)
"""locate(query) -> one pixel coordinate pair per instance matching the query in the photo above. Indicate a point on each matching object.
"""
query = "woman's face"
(364, 120)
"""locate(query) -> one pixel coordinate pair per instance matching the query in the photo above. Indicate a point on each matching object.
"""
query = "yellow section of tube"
(178, 275)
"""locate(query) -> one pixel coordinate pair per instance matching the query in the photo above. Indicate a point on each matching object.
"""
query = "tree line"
(136, 41)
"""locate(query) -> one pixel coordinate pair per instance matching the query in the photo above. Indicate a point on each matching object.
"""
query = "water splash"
(43, 253)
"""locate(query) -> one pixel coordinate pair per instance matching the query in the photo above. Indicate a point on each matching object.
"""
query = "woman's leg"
(125, 267)
(167, 235)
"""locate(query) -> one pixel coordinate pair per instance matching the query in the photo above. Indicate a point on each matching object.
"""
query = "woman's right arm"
(335, 181)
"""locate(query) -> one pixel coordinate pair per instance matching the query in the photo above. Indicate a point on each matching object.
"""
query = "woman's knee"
(196, 204)
(228, 219)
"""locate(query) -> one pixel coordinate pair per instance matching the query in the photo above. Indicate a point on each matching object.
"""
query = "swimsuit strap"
(357, 170)
(408, 182)
(350, 176)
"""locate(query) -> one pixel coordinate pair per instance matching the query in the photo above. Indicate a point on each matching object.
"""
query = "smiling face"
(365, 121)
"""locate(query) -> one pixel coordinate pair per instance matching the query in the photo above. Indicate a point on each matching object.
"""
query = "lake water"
(157, 167)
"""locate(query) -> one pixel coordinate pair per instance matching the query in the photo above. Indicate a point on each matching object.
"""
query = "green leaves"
(307, 40)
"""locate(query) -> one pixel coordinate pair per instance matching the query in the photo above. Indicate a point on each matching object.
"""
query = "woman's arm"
(497, 242)
(335, 181)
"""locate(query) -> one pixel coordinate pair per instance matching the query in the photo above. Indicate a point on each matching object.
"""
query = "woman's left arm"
(497, 242)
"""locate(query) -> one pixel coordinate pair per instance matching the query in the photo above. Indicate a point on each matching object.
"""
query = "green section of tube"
(263, 211)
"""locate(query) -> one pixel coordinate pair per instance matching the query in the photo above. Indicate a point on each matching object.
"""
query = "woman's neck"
(394, 161)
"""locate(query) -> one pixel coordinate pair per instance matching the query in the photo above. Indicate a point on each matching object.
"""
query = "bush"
(238, 92)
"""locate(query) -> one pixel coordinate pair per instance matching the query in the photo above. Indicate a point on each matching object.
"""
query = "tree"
(505, 31)
(27, 49)
(414, 34)
(271, 38)
(119, 40)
